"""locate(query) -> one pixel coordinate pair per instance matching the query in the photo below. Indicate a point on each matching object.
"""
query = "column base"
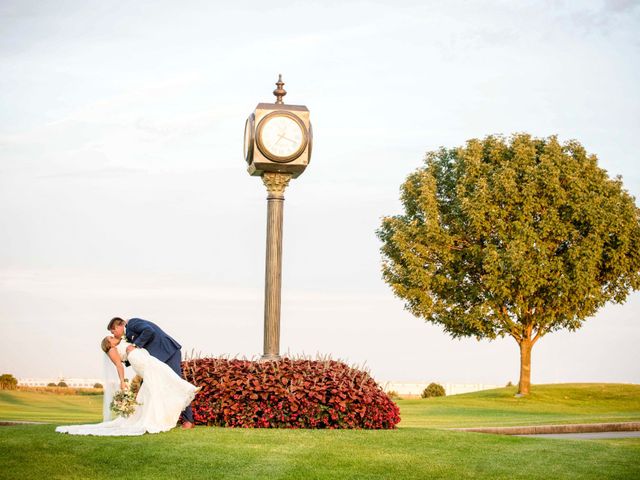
(270, 357)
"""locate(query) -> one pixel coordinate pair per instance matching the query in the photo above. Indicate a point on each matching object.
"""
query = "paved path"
(586, 436)
(558, 429)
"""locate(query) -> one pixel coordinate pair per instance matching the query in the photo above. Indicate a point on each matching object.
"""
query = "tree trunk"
(525, 366)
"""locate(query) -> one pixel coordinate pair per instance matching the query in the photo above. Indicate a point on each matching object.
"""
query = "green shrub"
(8, 382)
(433, 390)
(97, 385)
(393, 395)
(84, 391)
(62, 383)
(51, 384)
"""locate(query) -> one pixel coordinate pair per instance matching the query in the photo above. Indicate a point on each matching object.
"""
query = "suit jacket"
(148, 335)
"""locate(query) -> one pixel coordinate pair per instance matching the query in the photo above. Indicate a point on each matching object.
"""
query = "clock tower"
(277, 148)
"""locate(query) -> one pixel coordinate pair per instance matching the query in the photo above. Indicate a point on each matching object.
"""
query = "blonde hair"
(105, 345)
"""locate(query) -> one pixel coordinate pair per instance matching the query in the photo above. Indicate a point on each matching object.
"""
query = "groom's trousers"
(175, 361)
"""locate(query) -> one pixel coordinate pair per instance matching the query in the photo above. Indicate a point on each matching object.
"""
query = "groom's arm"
(144, 333)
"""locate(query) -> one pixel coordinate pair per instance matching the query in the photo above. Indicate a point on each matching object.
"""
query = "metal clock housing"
(278, 139)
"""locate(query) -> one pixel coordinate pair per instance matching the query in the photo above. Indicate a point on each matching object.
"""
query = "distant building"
(71, 382)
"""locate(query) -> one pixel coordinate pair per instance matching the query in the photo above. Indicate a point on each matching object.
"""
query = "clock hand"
(280, 137)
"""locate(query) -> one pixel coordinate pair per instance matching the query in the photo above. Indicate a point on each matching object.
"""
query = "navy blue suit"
(148, 335)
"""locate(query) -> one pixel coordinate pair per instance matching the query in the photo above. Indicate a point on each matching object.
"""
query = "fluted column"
(276, 184)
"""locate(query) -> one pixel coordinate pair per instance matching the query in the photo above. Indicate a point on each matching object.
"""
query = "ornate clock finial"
(279, 92)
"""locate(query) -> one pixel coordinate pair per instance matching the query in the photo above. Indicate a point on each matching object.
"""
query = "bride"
(161, 398)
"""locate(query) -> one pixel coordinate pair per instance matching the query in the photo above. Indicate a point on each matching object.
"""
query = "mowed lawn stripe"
(49, 407)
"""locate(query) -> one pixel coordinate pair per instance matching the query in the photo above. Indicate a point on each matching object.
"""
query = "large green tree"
(519, 237)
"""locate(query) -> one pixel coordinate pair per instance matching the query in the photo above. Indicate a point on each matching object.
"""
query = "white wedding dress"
(162, 397)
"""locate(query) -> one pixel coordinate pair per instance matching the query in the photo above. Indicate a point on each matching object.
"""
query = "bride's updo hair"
(105, 344)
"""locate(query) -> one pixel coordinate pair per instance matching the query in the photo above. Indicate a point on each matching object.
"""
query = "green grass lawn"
(419, 448)
(547, 404)
(50, 407)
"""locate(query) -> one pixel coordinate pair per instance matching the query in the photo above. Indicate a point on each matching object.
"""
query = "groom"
(148, 335)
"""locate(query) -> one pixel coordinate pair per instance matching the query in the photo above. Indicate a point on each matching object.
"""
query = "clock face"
(248, 139)
(281, 136)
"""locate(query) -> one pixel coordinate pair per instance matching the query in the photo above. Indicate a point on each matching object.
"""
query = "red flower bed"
(287, 394)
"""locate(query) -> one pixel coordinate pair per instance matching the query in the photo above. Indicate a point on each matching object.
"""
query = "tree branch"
(510, 326)
(541, 331)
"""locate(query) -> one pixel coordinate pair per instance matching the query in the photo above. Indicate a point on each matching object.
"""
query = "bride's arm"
(115, 358)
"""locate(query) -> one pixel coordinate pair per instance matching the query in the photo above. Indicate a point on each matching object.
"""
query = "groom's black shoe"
(187, 425)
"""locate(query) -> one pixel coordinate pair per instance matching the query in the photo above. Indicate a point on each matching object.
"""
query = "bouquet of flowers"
(124, 403)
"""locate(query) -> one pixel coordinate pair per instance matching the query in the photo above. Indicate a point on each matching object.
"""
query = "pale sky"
(123, 191)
